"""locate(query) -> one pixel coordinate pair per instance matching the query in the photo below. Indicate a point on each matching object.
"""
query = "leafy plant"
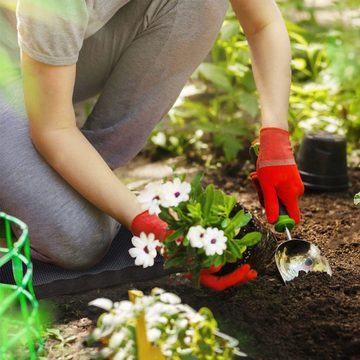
(203, 227)
(216, 117)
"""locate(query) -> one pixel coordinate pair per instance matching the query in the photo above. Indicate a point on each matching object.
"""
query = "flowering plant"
(176, 329)
(204, 226)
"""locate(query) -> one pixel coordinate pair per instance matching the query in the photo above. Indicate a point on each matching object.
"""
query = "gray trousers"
(137, 63)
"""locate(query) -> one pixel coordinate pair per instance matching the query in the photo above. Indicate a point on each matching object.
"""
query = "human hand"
(277, 174)
(150, 223)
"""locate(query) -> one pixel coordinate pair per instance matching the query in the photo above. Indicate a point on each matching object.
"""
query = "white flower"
(143, 302)
(154, 314)
(144, 251)
(122, 354)
(106, 352)
(196, 236)
(214, 241)
(181, 323)
(157, 291)
(102, 303)
(121, 317)
(151, 197)
(171, 340)
(183, 351)
(108, 320)
(187, 340)
(170, 298)
(167, 352)
(153, 334)
(116, 339)
(195, 317)
(97, 333)
(175, 192)
(124, 306)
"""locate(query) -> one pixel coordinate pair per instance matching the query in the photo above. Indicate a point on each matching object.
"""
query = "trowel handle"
(284, 221)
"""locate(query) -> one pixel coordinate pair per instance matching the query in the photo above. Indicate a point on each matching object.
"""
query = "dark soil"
(313, 317)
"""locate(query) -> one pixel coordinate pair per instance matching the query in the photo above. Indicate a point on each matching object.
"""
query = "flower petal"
(102, 303)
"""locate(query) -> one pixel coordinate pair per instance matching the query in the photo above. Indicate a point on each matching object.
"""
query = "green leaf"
(208, 201)
(298, 64)
(175, 235)
(250, 239)
(229, 257)
(225, 223)
(357, 199)
(219, 198)
(219, 259)
(166, 216)
(231, 146)
(249, 103)
(238, 221)
(196, 188)
(229, 29)
(233, 247)
(215, 74)
(229, 202)
(207, 262)
(174, 262)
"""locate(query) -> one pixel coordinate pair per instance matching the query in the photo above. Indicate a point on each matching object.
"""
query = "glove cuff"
(275, 148)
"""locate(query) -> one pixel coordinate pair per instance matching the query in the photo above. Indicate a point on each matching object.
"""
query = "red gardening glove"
(241, 275)
(147, 223)
(278, 174)
(256, 183)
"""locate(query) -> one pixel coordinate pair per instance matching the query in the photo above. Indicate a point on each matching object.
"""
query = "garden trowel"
(294, 255)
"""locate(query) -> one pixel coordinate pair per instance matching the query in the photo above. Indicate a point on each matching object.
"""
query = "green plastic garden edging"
(19, 309)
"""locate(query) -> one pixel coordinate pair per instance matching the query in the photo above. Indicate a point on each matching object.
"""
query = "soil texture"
(313, 317)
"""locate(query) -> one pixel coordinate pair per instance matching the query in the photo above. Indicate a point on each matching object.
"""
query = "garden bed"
(313, 317)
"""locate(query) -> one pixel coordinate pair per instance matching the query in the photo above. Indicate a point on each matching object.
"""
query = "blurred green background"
(217, 114)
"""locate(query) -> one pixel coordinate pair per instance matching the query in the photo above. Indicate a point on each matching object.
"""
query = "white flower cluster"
(168, 194)
(165, 318)
(170, 324)
(212, 240)
(118, 327)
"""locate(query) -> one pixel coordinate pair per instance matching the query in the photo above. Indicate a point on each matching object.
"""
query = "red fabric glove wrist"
(149, 223)
(275, 148)
(257, 186)
(278, 174)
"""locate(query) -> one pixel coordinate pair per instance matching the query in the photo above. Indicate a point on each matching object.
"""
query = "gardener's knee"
(84, 246)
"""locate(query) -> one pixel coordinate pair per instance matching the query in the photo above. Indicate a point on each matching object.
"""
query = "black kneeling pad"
(117, 267)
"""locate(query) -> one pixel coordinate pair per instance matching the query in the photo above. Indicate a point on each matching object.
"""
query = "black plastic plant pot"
(322, 162)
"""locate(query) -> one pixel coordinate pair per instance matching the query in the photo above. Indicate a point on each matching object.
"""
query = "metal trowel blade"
(294, 256)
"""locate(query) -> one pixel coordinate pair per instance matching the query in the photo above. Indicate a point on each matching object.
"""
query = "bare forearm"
(75, 159)
(271, 56)
(48, 96)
